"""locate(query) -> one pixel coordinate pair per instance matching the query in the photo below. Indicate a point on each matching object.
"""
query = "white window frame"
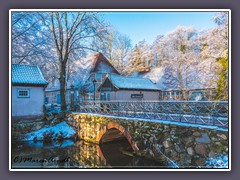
(23, 96)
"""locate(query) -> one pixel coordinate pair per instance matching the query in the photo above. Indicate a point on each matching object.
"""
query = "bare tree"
(115, 46)
(71, 32)
(29, 40)
(140, 58)
(214, 49)
(121, 47)
(159, 54)
(180, 58)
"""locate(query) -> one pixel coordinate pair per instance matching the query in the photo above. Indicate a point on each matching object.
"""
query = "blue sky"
(147, 25)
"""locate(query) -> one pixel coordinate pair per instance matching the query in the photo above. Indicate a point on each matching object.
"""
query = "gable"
(107, 86)
(102, 65)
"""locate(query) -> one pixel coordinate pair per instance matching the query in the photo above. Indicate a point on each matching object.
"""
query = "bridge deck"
(208, 113)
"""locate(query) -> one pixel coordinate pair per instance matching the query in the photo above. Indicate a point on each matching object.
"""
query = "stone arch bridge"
(185, 144)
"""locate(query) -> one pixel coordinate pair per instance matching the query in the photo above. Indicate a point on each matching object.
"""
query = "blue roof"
(26, 74)
(123, 82)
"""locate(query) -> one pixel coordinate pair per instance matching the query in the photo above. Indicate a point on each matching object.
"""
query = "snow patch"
(67, 131)
(154, 75)
(132, 83)
(218, 162)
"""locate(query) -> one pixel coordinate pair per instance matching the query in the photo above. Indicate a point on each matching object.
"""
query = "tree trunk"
(62, 80)
(180, 85)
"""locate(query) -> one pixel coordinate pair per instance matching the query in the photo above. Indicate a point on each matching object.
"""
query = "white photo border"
(120, 10)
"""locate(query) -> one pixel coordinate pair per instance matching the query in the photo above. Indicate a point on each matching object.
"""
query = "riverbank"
(57, 132)
(52, 125)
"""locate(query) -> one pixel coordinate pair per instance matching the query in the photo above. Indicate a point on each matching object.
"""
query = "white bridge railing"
(214, 113)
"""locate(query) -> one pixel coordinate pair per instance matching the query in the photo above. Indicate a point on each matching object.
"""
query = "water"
(80, 154)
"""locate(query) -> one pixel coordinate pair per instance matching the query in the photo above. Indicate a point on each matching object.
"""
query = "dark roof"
(99, 59)
(27, 75)
(123, 82)
(95, 63)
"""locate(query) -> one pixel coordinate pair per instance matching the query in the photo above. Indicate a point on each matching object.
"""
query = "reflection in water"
(120, 154)
(80, 154)
(117, 153)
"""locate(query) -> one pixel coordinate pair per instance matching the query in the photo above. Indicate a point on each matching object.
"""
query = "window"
(108, 96)
(23, 93)
(98, 76)
(46, 100)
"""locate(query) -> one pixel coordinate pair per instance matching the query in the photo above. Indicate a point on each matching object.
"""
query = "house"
(52, 95)
(95, 78)
(28, 85)
(117, 87)
(97, 74)
(91, 71)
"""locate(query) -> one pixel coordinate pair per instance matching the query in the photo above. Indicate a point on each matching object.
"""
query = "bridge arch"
(114, 125)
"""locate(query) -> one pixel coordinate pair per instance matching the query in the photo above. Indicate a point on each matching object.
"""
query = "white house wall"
(27, 106)
(126, 95)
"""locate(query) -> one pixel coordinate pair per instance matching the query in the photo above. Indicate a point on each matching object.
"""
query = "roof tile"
(26, 74)
(123, 82)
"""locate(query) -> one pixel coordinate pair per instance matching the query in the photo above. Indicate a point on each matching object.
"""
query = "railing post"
(212, 113)
(134, 109)
(181, 109)
(118, 105)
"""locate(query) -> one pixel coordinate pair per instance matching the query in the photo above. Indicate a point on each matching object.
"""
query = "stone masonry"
(185, 145)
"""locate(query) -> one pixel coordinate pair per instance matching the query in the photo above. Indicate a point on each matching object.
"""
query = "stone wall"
(185, 146)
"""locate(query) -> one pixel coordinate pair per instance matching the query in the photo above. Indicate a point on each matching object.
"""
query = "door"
(46, 100)
(103, 97)
(108, 96)
(58, 99)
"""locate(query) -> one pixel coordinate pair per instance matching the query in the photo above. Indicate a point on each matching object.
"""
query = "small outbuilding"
(116, 87)
(28, 85)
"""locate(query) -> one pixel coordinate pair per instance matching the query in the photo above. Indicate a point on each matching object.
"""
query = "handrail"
(152, 101)
(197, 112)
